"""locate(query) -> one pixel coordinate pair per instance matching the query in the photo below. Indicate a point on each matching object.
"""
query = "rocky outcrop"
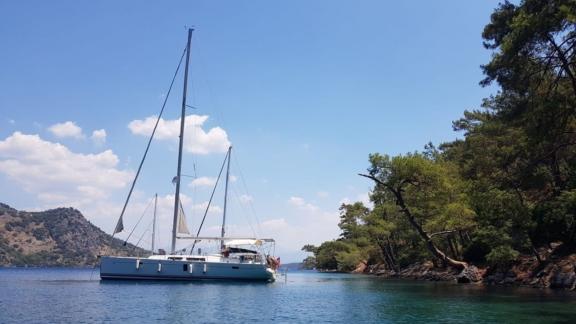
(557, 269)
(419, 271)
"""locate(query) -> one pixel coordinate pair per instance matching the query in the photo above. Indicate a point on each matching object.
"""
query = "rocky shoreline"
(556, 270)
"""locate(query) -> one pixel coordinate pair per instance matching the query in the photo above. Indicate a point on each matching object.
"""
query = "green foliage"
(327, 252)
(309, 248)
(351, 218)
(349, 259)
(509, 185)
(309, 263)
(502, 256)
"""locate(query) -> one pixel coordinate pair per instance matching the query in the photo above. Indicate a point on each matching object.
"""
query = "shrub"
(502, 255)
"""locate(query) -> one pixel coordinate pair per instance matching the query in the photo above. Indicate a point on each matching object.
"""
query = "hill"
(291, 266)
(56, 237)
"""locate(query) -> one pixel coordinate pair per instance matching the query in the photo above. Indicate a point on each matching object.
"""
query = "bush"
(502, 255)
(326, 254)
(348, 260)
(40, 233)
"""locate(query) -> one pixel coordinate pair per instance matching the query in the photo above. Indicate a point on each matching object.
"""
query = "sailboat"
(239, 258)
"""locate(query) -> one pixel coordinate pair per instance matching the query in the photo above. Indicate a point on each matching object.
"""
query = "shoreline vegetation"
(497, 206)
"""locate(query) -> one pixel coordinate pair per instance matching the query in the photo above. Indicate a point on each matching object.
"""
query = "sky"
(303, 90)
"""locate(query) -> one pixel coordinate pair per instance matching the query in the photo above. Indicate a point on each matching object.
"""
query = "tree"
(520, 151)
(425, 191)
(351, 219)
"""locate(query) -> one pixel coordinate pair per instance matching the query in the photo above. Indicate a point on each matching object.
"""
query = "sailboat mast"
(181, 143)
(226, 197)
(154, 222)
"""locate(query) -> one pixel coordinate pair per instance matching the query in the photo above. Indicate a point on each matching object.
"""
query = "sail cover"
(182, 227)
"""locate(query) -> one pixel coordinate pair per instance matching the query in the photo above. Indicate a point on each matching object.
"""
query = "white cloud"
(203, 182)
(99, 136)
(196, 140)
(201, 207)
(305, 224)
(66, 129)
(11, 121)
(275, 224)
(166, 205)
(57, 176)
(300, 203)
(208, 181)
(362, 197)
(246, 199)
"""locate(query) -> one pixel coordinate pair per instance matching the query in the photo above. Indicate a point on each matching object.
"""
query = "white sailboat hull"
(159, 269)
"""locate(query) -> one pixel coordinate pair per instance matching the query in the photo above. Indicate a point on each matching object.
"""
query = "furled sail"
(182, 227)
(119, 226)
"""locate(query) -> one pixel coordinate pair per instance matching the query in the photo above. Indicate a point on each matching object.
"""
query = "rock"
(361, 267)
(468, 275)
(563, 280)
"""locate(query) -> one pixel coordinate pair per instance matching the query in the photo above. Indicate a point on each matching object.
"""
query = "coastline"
(557, 272)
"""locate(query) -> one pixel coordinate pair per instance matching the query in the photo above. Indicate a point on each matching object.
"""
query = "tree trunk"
(392, 253)
(391, 256)
(436, 252)
(387, 259)
(452, 247)
(429, 243)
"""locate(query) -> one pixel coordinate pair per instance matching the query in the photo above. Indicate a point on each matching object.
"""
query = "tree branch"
(443, 233)
(378, 181)
(565, 63)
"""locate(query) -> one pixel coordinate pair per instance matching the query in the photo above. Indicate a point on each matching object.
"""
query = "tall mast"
(225, 197)
(182, 119)
(154, 222)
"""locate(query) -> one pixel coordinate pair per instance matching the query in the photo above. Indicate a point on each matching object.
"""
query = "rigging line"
(150, 140)
(140, 239)
(139, 220)
(237, 196)
(247, 192)
(210, 201)
(194, 191)
(142, 236)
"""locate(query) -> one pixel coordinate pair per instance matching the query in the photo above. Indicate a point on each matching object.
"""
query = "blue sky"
(304, 90)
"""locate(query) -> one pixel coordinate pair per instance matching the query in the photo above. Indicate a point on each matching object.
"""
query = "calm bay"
(37, 295)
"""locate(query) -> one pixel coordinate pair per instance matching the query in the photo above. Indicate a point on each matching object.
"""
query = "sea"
(64, 295)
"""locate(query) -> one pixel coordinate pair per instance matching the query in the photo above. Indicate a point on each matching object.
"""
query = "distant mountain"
(291, 266)
(56, 237)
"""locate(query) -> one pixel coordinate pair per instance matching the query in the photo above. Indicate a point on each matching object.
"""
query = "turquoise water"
(77, 296)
